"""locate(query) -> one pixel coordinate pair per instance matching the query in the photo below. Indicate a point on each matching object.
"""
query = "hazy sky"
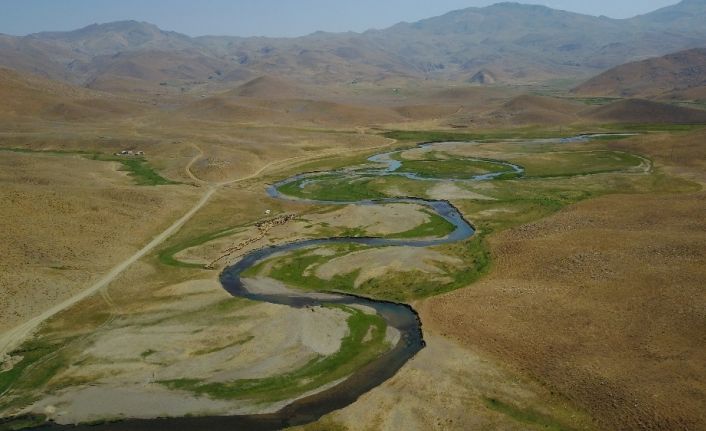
(265, 17)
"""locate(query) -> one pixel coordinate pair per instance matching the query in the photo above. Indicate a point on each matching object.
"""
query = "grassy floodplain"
(556, 175)
(437, 165)
(297, 269)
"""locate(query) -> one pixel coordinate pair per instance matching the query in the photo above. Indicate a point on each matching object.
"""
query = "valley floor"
(578, 304)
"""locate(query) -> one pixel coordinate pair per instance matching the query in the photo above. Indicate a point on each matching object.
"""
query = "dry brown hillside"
(268, 87)
(604, 301)
(24, 95)
(288, 111)
(644, 111)
(530, 109)
(681, 72)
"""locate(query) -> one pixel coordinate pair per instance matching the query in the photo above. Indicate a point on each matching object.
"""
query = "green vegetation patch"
(147, 353)
(613, 137)
(335, 188)
(653, 127)
(411, 285)
(41, 361)
(696, 104)
(240, 342)
(536, 132)
(137, 167)
(22, 422)
(298, 270)
(365, 342)
(568, 163)
(436, 227)
(451, 136)
(166, 255)
(476, 258)
(594, 101)
(525, 416)
(48, 152)
(444, 166)
(31, 352)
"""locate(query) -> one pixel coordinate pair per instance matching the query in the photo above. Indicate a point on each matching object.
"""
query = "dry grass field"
(71, 220)
(588, 313)
(603, 303)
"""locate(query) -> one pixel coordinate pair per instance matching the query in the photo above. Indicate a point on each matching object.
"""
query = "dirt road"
(15, 336)
(12, 338)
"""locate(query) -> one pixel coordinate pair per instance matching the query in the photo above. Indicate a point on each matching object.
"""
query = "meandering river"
(399, 316)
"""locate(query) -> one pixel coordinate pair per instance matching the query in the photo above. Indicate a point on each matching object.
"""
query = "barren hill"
(682, 72)
(259, 102)
(268, 87)
(31, 96)
(530, 109)
(644, 111)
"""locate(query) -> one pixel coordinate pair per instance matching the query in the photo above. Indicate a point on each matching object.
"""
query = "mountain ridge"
(520, 43)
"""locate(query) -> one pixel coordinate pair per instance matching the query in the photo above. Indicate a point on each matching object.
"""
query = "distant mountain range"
(506, 42)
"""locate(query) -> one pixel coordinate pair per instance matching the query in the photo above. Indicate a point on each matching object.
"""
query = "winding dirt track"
(191, 163)
(12, 338)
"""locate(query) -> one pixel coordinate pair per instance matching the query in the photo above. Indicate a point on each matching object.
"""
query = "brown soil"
(644, 111)
(528, 109)
(168, 336)
(654, 77)
(72, 220)
(377, 262)
(604, 304)
(445, 387)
